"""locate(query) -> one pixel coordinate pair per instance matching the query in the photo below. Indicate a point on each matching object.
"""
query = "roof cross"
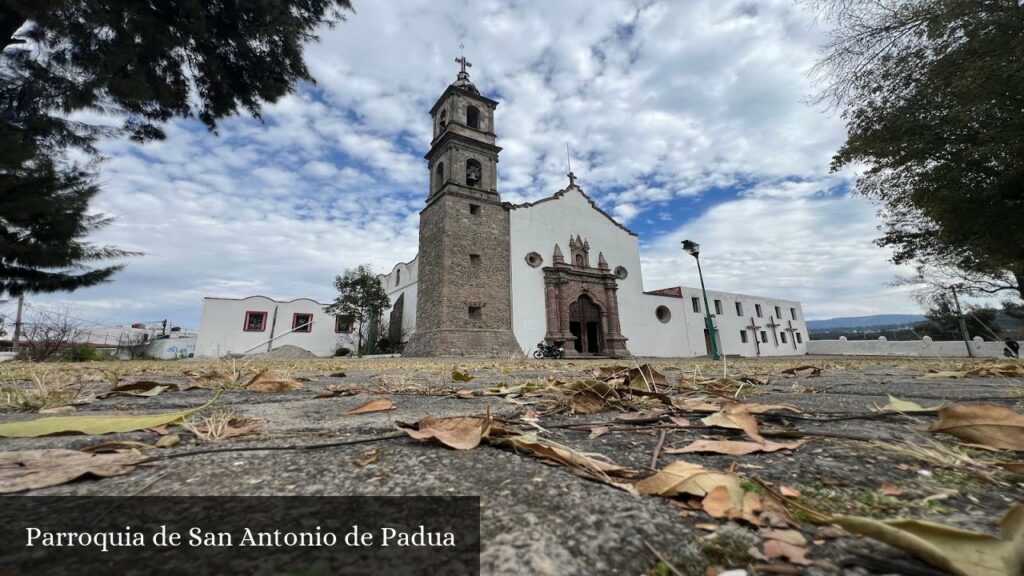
(465, 63)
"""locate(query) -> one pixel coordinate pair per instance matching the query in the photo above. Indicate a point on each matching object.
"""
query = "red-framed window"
(255, 321)
(342, 324)
(302, 322)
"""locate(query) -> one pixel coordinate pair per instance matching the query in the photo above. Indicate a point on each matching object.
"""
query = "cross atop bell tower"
(463, 155)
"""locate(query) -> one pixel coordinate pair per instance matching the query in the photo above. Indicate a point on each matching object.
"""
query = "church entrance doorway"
(585, 324)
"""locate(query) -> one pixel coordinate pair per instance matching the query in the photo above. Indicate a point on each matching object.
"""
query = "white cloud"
(658, 100)
(816, 250)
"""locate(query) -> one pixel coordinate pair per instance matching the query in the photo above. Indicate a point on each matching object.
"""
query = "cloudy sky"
(685, 119)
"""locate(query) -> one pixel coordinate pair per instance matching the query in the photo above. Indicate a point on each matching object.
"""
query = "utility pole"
(164, 328)
(16, 343)
(961, 323)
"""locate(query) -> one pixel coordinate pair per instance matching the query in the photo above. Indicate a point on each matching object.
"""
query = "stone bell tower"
(464, 296)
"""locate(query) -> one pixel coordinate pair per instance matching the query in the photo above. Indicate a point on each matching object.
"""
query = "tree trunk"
(1018, 277)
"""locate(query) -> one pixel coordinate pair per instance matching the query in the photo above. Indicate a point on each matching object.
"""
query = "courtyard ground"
(561, 515)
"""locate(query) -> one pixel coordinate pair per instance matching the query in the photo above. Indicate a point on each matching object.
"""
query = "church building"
(493, 278)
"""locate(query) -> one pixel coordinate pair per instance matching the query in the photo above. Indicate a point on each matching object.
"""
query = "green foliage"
(145, 62)
(932, 93)
(361, 298)
(83, 353)
(154, 61)
(943, 324)
(44, 219)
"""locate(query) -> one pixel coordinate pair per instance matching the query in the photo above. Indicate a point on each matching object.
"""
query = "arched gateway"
(582, 304)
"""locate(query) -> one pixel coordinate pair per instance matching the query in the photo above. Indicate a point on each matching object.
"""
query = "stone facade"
(577, 295)
(464, 302)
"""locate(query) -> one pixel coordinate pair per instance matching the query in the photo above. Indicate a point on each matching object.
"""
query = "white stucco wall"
(172, 348)
(911, 348)
(221, 327)
(403, 279)
(538, 227)
(730, 324)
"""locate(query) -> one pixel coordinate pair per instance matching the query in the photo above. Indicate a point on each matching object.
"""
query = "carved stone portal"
(582, 305)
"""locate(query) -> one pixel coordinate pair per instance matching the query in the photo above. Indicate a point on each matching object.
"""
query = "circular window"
(621, 272)
(663, 314)
(534, 259)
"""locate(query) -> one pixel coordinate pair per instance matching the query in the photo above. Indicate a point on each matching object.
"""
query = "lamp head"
(692, 247)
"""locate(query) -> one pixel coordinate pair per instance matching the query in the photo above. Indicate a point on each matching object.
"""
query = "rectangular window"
(739, 308)
(778, 312)
(342, 324)
(757, 310)
(474, 259)
(792, 312)
(743, 336)
(783, 336)
(799, 338)
(764, 337)
(302, 322)
(696, 304)
(255, 321)
(474, 209)
(718, 307)
(476, 313)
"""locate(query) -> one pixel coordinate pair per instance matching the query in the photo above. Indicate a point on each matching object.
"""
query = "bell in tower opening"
(463, 299)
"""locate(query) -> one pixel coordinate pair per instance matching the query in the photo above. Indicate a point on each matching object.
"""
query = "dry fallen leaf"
(97, 424)
(736, 417)
(266, 381)
(378, 405)
(32, 469)
(586, 402)
(789, 552)
(584, 464)
(464, 394)
(735, 447)
(793, 537)
(897, 405)
(890, 489)
(789, 491)
(801, 372)
(947, 548)
(988, 424)
(461, 376)
(598, 431)
(460, 432)
(336, 391)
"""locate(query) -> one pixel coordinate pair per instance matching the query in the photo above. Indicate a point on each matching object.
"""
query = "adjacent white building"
(260, 324)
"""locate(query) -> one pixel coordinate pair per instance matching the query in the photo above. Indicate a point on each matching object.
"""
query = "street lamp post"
(694, 249)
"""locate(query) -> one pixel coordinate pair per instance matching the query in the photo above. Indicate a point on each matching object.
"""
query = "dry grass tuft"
(212, 427)
(46, 390)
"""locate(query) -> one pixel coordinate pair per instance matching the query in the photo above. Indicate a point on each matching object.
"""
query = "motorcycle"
(549, 350)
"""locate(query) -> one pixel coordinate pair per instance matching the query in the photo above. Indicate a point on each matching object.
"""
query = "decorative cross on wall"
(771, 324)
(792, 332)
(465, 63)
(753, 330)
(572, 179)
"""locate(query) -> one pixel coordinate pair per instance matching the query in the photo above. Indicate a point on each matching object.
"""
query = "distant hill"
(865, 321)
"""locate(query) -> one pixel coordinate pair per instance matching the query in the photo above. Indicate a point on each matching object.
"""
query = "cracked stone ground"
(539, 518)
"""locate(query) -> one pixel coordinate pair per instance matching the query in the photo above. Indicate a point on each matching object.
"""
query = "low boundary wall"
(923, 347)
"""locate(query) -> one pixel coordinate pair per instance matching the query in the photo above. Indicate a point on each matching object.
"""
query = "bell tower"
(463, 304)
